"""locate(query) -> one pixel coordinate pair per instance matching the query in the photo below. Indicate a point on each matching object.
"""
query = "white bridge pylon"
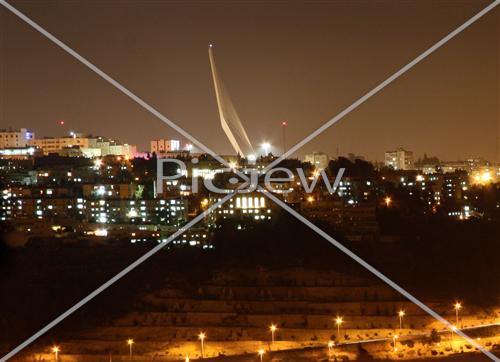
(229, 119)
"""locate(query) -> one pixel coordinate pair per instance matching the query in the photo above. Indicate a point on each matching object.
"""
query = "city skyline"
(451, 119)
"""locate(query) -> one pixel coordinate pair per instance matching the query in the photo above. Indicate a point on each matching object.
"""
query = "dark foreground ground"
(41, 280)
(317, 356)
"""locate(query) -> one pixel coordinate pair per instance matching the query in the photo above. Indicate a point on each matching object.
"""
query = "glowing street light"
(338, 322)
(394, 339)
(130, 343)
(388, 201)
(273, 329)
(56, 350)
(486, 177)
(266, 146)
(331, 344)
(453, 330)
(401, 314)
(261, 354)
(457, 306)
(202, 337)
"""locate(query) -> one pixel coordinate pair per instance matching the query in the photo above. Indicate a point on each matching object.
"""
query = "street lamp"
(266, 146)
(261, 354)
(401, 314)
(201, 337)
(130, 342)
(273, 329)
(56, 350)
(394, 339)
(331, 344)
(453, 330)
(457, 306)
(338, 322)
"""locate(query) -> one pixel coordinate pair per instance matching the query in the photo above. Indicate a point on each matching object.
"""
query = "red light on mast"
(61, 123)
(283, 123)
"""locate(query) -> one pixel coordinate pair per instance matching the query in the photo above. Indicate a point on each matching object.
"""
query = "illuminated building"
(18, 153)
(103, 204)
(399, 159)
(454, 185)
(115, 191)
(15, 138)
(448, 167)
(164, 146)
(129, 211)
(193, 237)
(251, 207)
(318, 159)
(345, 190)
(81, 145)
(54, 145)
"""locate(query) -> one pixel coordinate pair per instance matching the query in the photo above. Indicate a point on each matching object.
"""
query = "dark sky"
(299, 61)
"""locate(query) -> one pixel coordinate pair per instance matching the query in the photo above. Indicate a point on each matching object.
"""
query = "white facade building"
(399, 159)
(15, 138)
(88, 146)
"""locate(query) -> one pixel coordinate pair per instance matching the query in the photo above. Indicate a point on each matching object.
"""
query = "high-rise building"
(163, 146)
(399, 159)
(15, 138)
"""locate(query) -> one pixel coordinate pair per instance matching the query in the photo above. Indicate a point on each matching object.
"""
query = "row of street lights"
(457, 306)
(130, 342)
(339, 320)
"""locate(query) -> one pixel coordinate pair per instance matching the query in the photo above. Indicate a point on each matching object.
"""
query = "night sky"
(297, 61)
